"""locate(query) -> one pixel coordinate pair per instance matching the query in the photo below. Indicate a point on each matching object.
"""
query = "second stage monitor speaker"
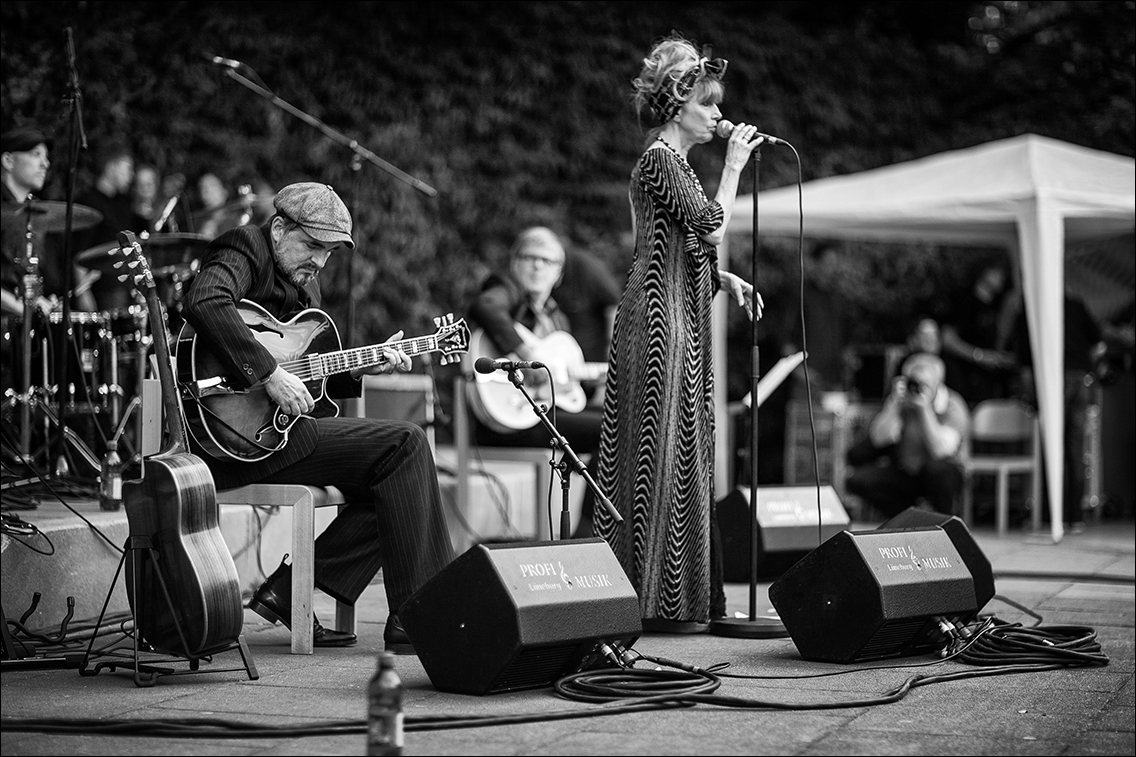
(868, 595)
(786, 527)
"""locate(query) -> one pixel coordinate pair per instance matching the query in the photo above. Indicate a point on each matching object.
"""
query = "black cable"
(63, 502)
(1012, 643)
(14, 527)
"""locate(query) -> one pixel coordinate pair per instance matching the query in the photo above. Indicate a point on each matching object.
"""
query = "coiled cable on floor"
(1014, 644)
(625, 682)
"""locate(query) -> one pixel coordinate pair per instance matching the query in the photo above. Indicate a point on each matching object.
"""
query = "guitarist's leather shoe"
(273, 602)
(394, 637)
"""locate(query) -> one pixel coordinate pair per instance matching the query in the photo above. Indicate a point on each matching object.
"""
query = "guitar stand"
(148, 663)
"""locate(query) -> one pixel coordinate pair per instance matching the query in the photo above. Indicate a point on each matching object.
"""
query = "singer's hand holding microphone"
(743, 139)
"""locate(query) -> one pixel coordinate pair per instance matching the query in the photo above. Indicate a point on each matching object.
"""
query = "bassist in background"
(522, 295)
(384, 468)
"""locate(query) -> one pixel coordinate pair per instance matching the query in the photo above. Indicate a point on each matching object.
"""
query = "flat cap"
(22, 139)
(318, 210)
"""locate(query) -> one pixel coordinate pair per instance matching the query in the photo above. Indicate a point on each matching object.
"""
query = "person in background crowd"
(1083, 346)
(217, 216)
(145, 193)
(917, 441)
(111, 196)
(976, 335)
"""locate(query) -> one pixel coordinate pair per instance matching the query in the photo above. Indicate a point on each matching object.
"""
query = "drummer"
(110, 195)
(24, 161)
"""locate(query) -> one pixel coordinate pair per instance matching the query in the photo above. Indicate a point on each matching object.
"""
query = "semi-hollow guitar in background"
(498, 404)
(188, 599)
(231, 422)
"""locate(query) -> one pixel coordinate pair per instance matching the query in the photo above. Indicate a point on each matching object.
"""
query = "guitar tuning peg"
(122, 278)
(437, 321)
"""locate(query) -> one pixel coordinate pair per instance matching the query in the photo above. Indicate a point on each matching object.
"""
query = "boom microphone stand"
(753, 627)
(360, 154)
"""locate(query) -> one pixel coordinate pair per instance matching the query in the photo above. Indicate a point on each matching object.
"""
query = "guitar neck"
(325, 364)
(171, 405)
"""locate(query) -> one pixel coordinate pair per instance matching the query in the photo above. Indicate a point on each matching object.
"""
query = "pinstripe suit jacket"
(238, 265)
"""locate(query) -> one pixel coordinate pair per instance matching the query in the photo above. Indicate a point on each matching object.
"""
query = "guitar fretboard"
(319, 366)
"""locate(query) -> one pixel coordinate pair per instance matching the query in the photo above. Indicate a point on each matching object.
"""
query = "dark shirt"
(587, 290)
(977, 323)
(118, 215)
(1081, 334)
(48, 249)
(240, 264)
(502, 303)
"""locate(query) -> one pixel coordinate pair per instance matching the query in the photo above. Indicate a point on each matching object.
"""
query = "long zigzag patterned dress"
(656, 459)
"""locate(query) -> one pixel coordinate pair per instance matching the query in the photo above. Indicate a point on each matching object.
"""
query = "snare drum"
(86, 354)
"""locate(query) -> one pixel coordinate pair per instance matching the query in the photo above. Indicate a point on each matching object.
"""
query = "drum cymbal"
(161, 250)
(47, 215)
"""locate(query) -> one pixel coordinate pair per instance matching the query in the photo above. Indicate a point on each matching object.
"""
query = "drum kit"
(76, 377)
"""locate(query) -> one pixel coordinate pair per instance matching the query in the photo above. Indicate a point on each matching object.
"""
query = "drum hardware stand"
(148, 670)
(33, 286)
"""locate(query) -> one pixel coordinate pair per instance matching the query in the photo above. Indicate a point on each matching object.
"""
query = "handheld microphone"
(488, 365)
(227, 62)
(725, 128)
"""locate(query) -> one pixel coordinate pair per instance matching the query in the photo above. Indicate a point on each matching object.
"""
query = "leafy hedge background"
(518, 112)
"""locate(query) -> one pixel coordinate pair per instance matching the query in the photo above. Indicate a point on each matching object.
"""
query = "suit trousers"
(394, 519)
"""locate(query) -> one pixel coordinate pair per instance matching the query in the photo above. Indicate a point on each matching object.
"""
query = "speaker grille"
(891, 638)
(534, 668)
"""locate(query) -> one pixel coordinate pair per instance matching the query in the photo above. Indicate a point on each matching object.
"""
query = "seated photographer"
(914, 443)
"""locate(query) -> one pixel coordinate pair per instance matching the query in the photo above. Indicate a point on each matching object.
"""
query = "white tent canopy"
(1029, 194)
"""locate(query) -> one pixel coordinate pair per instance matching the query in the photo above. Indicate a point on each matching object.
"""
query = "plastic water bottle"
(110, 478)
(384, 709)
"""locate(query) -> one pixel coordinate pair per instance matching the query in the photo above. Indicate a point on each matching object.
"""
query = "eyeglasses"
(525, 257)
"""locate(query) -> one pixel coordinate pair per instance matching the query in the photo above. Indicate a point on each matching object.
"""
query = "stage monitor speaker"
(786, 527)
(867, 595)
(976, 562)
(503, 617)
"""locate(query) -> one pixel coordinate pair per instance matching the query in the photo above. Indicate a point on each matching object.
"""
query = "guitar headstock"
(453, 338)
(135, 261)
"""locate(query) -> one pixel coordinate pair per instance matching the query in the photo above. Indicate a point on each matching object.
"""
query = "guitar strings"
(306, 368)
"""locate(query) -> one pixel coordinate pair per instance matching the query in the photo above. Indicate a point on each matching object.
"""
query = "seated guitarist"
(384, 468)
(522, 295)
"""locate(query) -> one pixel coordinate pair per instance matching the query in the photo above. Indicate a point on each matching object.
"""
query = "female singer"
(656, 459)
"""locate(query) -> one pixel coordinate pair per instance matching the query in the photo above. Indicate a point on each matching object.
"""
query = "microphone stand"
(361, 153)
(78, 142)
(566, 468)
(753, 627)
